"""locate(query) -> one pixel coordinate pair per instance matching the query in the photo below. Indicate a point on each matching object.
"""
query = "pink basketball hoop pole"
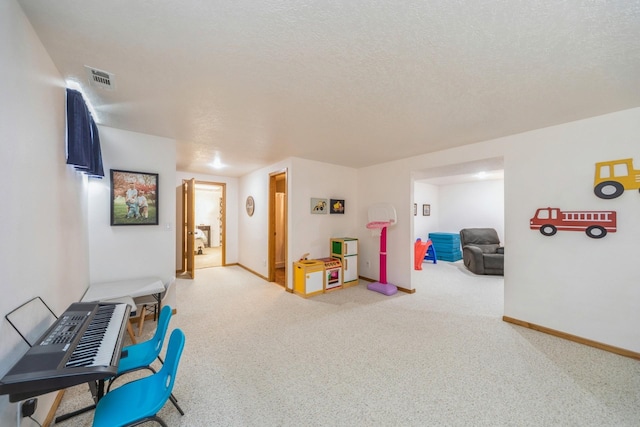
(382, 286)
(383, 256)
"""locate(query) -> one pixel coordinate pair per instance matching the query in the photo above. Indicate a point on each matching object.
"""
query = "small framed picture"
(426, 210)
(336, 206)
(134, 198)
(415, 209)
(319, 206)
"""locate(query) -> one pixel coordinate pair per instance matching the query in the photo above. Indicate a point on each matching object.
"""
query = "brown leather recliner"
(481, 251)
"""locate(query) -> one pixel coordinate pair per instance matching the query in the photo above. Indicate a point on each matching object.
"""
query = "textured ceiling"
(354, 83)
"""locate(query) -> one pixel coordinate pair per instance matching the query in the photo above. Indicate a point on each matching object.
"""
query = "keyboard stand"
(97, 391)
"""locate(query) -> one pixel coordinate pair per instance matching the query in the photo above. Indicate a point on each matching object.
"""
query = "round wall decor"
(250, 206)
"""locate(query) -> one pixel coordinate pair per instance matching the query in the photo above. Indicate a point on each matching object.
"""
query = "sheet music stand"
(33, 319)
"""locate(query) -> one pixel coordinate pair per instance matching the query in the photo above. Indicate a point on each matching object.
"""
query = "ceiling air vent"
(99, 78)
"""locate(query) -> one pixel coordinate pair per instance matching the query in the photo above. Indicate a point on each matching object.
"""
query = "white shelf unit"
(346, 250)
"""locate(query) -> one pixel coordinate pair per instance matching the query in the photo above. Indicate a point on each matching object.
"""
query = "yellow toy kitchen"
(316, 276)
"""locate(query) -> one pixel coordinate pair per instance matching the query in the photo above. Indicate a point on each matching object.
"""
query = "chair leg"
(141, 320)
(173, 400)
(147, 419)
(130, 332)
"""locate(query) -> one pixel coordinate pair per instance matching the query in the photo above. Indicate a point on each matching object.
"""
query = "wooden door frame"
(188, 226)
(272, 226)
(183, 221)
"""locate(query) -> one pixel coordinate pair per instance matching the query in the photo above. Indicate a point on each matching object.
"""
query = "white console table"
(124, 288)
(124, 291)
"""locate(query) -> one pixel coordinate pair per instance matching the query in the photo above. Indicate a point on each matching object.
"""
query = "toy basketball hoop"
(377, 226)
(381, 217)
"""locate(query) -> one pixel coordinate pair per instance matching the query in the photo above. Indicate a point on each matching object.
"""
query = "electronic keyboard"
(83, 345)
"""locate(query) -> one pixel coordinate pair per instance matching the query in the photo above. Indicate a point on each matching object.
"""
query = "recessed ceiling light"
(216, 164)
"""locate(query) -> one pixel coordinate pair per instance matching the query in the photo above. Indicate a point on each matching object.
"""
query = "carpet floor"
(258, 356)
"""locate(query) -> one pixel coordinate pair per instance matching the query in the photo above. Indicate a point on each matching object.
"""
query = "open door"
(278, 228)
(188, 235)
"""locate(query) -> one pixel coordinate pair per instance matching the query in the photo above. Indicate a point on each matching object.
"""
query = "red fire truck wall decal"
(596, 224)
(612, 178)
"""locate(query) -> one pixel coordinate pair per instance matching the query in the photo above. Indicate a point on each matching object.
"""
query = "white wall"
(393, 182)
(231, 244)
(253, 239)
(387, 183)
(121, 252)
(472, 204)
(460, 205)
(307, 233)
(429, 194)
(567, 282)
(43, 222)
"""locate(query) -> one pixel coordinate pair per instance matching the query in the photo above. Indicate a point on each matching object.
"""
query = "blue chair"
(139, 401)
(142, 355)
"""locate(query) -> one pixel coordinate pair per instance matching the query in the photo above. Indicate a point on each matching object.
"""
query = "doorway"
(204, 217)
(209, 222)
(278, 228)
(453, 197)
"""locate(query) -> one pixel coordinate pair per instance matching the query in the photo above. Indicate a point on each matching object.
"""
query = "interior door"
(190, 225)
(278, 184)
